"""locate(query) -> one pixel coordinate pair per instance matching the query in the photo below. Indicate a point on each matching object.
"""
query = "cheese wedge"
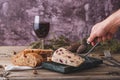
(63, 56)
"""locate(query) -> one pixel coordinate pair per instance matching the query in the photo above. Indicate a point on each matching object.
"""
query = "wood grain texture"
(102, 72)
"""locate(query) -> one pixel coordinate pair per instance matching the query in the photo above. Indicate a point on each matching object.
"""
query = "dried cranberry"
(60, 49)
(59, 53)
(61, 61)
(69, 56)
(71, 61)
(56, 51)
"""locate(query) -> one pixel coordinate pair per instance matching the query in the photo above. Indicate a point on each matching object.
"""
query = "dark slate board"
(89, 63)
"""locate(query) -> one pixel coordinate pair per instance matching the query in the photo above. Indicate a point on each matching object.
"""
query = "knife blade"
(91, 49)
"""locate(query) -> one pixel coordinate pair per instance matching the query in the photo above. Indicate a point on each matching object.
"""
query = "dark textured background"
(73, 18)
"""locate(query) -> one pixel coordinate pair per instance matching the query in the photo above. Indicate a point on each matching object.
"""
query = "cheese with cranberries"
(63, 56)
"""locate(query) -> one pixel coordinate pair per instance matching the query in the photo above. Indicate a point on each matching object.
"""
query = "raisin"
(25, 56)
(14, 53)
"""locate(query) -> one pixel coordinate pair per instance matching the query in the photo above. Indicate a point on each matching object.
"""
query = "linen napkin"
(17, 68)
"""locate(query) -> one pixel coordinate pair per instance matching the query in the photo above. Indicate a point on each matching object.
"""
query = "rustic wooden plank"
(5, 61)
(27, 74)
(102, 72)
(101, 68)
(59, 76)
(9, 49)
(67, 78)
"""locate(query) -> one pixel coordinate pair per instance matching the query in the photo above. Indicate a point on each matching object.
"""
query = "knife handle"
(92, 49)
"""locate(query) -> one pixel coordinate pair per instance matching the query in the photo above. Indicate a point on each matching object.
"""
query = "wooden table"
(102, 72)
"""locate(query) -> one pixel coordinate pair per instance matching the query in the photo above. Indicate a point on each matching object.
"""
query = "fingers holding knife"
(93, 39)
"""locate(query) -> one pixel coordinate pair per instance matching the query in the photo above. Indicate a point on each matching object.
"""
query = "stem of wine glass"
(42, 43)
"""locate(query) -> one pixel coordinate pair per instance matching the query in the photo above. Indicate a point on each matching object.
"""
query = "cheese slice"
(66, 57)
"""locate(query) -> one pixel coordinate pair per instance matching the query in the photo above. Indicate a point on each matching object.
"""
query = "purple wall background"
(73, 18)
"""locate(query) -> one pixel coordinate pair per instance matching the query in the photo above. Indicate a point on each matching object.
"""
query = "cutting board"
(89, 63)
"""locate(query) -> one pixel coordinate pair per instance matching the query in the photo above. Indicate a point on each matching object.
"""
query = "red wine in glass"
(41, 29)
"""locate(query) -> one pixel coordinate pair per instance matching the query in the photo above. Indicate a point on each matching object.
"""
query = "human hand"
(101, 32)
(106, 29)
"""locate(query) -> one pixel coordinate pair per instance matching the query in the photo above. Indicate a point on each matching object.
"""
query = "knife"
(91, 49)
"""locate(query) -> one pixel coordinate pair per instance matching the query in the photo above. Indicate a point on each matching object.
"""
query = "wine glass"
(41, 29)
